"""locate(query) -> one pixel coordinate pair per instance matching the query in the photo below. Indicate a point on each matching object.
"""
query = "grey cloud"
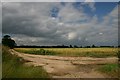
(31, 23)
(21, 20)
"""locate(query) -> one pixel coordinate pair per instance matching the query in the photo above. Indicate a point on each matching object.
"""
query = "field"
(73, 52)
(110, 69)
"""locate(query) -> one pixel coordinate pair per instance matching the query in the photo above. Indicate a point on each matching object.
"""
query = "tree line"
(30, 46)
(7, 41)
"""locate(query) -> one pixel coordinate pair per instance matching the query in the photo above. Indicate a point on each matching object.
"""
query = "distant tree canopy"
(71, 46)
(93, 46)
(75, 46)
(7, 41)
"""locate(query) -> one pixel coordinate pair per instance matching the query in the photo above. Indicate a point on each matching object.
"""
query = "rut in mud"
(67, 67)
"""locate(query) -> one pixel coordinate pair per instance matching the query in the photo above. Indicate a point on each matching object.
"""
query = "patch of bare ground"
(68, 67)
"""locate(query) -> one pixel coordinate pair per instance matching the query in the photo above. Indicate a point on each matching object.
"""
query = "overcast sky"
(56, 23)
(59, 0)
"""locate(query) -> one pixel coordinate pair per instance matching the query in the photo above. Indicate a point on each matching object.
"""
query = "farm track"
(67, 67)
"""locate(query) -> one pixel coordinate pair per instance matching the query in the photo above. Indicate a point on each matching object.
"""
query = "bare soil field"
(68, 67)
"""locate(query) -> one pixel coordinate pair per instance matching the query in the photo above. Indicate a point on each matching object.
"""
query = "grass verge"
(13, 67)
(110, 69)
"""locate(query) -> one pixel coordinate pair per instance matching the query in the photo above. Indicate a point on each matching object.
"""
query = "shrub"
(37, 51)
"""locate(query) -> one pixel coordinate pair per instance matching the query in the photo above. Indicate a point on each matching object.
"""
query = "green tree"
(93, 46)
(71, 46)
(7, 41)
(75, 46)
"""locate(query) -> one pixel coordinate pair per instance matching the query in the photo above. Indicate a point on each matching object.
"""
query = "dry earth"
(68, 67)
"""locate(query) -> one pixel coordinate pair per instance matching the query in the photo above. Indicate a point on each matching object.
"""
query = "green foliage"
(38, 51)
(13, 67)
(110, 69)
(7, 41)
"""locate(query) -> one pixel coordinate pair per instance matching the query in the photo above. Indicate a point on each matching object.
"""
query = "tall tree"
(7, 41)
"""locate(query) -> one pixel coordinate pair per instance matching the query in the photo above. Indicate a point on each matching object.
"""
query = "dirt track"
(67, 67)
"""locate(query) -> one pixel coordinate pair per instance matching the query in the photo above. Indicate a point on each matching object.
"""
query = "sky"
(59, 0)
(58, 23)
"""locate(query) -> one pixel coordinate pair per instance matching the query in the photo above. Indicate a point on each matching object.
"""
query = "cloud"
(28, 17)
(33, 23)
(72, 35)
(34, 1)
(90, 4)
(89, 0)
(60, 0)
(107, 31)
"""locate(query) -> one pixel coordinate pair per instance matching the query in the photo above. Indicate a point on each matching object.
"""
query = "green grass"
(37, 51)
(110, 69)
(14, 67)
(76, 52)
